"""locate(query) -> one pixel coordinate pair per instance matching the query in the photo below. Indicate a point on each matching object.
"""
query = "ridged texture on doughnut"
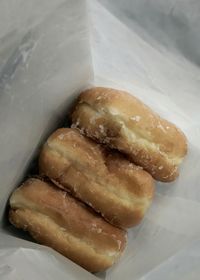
(123, 122)
(107, 182)
(57, 220)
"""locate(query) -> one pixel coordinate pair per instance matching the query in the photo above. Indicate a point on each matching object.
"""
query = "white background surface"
(49, 51)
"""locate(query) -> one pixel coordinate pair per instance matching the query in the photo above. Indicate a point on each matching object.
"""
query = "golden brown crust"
(57, 220)
(123, 122)
(119, 190)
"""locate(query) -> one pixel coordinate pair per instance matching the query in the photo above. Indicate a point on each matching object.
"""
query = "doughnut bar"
(123, 122)
(57, 220)
(120, 191)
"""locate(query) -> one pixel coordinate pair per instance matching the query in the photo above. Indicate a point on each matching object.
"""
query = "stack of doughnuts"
(96, 178)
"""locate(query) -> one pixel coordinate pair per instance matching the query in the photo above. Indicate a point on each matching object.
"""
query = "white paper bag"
(49, 52)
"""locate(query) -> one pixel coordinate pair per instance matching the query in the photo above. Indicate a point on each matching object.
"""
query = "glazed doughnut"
(106, 181)
(57, 220)
(123, 122)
